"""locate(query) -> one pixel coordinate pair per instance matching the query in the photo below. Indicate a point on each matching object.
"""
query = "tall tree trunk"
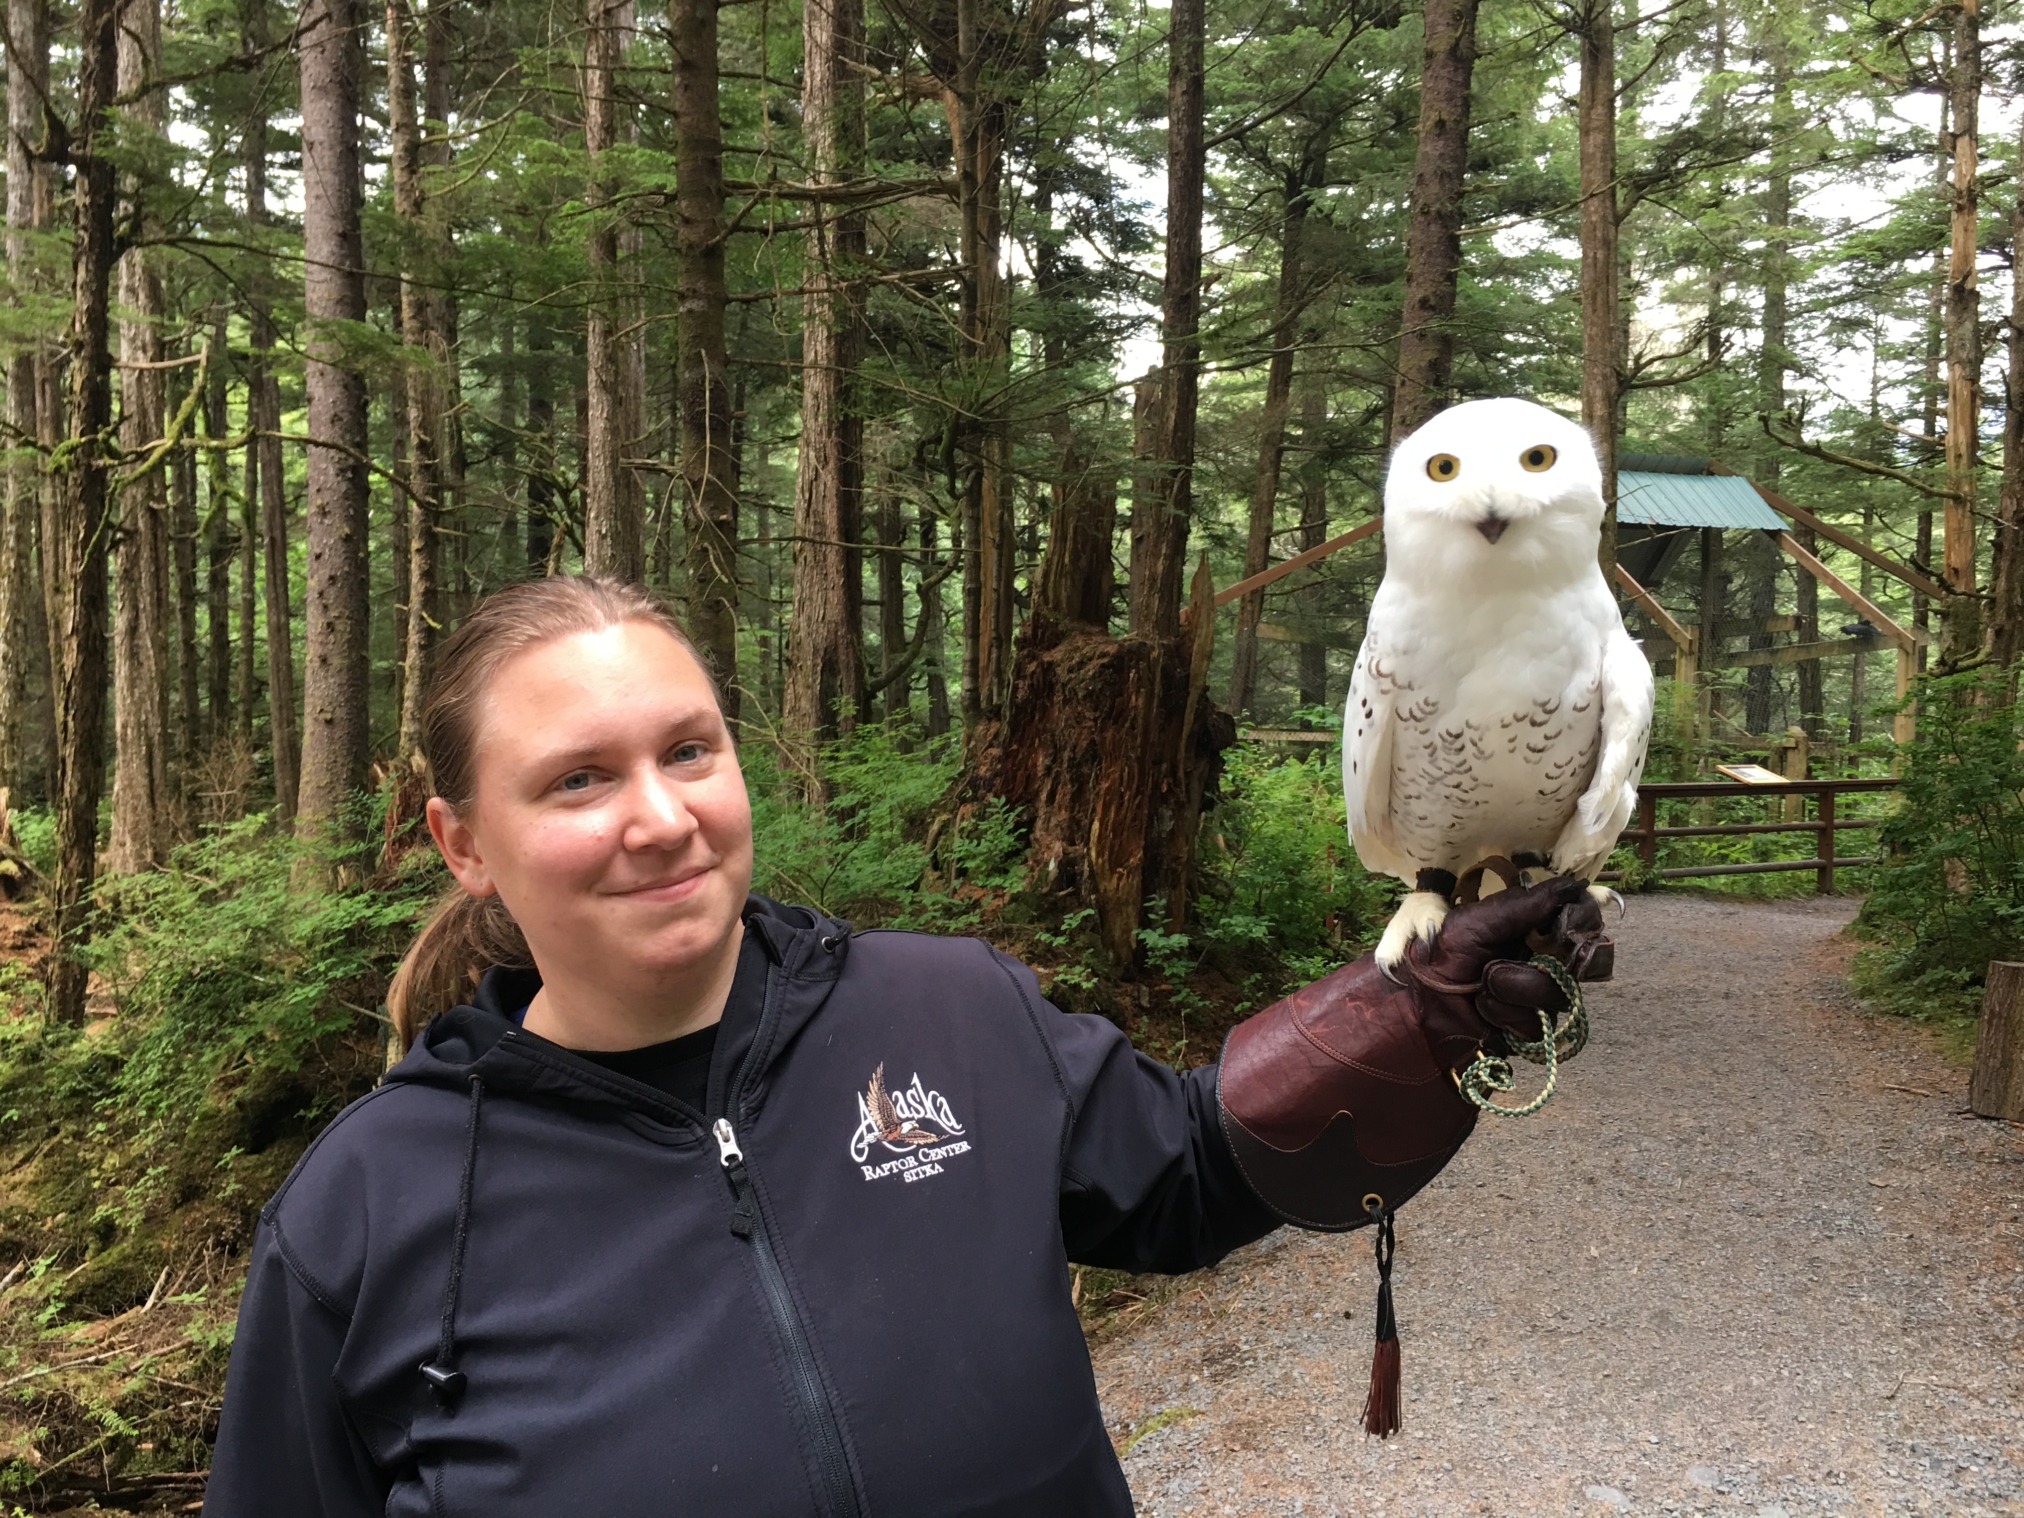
(263, 404)
(1180, 316)
(1858, 675)
(629, 301)
(1961, 630)
(140, 786)
(995, 57)
(1074, 582)
(1313, 527)
(219, 550)
(420, 312)
(929, 593)
(1076, 578)
(336, 738)
(544, 468)
(24, 639)
(614, 526)
(978, 117)
(1299, 188)
(1763, 564)
(1148, 594)
(703, 381)
(825, 676)
(2006, 590)
(183, 553)
(82, 514)
(1774, 362)
(1929, 409)
(249, 594)
(1599, 228)
(892, 602)
(1434, 232)
(1718, 408)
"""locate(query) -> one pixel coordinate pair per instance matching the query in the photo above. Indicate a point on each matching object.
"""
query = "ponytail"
(465, 936)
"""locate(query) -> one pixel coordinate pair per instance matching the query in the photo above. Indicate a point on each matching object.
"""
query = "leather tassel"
(1381, 1407)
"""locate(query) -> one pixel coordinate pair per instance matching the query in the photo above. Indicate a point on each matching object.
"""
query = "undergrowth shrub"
(1277, 869)
(865, 856)
(234, 1008)
(1949, 894)
(222, 965)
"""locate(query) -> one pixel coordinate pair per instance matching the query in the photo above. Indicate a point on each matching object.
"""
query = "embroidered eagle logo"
(892, 1128)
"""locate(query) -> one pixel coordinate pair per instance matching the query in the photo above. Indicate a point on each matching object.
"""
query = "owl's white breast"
(1498, 716)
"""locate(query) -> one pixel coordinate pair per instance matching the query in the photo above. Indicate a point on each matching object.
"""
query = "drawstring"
(445, 1380)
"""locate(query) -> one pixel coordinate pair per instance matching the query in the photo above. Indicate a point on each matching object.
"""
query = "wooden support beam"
(1299, 561)
(1796, 653)
(1841, 539)
(1279, 632)
(1667, 623)
(1854, 599)
(1743, 627)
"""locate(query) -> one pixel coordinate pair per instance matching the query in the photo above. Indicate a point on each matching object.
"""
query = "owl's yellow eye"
(1539, 457)
(1443, 466)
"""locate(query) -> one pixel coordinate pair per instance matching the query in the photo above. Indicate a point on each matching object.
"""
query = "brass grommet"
(1372, 1200)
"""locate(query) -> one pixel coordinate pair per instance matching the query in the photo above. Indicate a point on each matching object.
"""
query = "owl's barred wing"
(1605, 807)
(1369, 723)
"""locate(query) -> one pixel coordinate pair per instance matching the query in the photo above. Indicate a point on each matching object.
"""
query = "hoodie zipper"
(747, 1224)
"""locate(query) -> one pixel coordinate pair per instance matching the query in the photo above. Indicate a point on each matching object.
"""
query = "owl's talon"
(1419, 917)
(1606, 897)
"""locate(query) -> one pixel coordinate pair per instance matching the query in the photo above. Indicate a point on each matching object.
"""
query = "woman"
(704, 1204)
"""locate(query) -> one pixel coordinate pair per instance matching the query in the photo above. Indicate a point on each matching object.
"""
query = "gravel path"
(1752, 1259)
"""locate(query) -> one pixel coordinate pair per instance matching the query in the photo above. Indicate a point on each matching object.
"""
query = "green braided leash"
(1491, 1073)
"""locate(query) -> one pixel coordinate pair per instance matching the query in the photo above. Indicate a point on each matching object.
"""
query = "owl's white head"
(1497, 491)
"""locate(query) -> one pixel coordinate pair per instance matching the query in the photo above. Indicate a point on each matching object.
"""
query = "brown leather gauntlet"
(1343, 1094)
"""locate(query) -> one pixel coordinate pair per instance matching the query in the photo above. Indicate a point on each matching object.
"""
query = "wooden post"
(1823, 878)
(1905, 727)
(1996, 1088)
(1648, 827)
(1797, 752)
(1708, 646)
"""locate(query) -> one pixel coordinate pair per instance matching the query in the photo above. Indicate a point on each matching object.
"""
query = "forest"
(960, 370)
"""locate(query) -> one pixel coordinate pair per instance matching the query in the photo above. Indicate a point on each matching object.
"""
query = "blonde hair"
(466, 934)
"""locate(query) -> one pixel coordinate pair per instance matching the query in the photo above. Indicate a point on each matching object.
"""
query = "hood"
(481, 1038)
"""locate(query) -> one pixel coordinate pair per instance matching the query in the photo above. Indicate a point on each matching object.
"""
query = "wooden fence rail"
(1645, 831)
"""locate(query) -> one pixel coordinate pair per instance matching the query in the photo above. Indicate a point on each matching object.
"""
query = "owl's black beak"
(1492, 528)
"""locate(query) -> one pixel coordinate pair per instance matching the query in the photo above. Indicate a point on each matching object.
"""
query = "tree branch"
(1861, 466)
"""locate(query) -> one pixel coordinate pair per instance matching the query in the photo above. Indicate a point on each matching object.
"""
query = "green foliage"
(1949, 896)
(35, 831)
(1278, 873)
(232, 1012)
(221, 960)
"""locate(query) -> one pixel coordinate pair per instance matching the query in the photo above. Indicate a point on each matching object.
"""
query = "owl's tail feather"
(1418, 919)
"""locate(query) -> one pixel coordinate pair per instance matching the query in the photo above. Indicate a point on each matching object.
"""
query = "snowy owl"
(1498, 707)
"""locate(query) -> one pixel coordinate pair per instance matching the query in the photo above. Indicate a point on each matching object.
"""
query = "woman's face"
(609, 812)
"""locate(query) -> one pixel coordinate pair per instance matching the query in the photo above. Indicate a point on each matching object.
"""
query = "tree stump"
(1996, 1089)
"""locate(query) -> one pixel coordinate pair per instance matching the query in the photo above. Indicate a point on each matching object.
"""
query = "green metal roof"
(1651, 499)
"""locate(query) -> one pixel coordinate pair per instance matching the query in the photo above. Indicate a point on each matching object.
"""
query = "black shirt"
(679, 1068)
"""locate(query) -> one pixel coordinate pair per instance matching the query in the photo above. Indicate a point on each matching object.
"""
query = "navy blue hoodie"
(512, 1283)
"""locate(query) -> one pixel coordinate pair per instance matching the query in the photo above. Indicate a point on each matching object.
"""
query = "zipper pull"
(728, 1152)
(733, 1160)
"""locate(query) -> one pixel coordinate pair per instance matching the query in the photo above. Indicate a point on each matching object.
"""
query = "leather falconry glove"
(1340, 1101)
